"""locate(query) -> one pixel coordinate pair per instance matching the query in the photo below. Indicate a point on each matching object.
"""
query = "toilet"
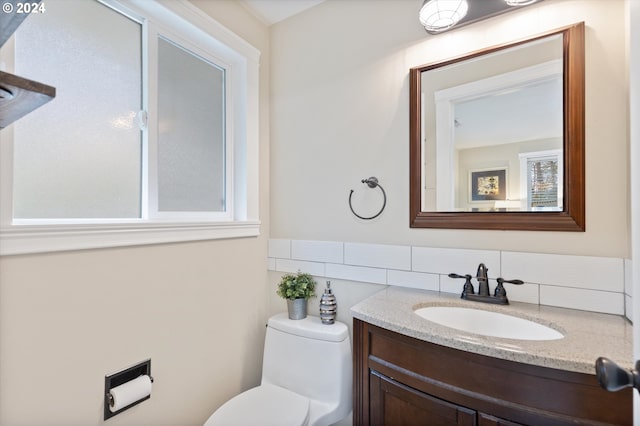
(306, 377)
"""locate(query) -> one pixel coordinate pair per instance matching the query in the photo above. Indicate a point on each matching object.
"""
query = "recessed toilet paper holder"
(121, 377)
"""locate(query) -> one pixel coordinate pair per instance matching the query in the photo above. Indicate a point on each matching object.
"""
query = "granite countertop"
(587, 335)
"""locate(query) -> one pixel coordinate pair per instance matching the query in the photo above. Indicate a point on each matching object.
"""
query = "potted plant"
(297, 289)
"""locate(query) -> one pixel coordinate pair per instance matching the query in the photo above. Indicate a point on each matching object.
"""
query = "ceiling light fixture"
(519, 2)
(440, 15)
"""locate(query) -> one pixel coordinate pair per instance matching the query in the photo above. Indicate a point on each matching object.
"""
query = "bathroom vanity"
(408, 370)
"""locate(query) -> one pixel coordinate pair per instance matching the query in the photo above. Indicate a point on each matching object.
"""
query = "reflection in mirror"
(497, 137)
(487, 112)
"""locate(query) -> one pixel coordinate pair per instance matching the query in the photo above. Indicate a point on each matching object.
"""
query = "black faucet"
(483, 280)
(499, 295)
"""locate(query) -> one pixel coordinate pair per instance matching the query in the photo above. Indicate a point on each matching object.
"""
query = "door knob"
(612, 377)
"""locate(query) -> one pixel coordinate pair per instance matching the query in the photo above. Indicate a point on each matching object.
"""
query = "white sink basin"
(488, 323)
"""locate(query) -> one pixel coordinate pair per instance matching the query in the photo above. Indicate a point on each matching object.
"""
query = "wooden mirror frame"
(572, 218)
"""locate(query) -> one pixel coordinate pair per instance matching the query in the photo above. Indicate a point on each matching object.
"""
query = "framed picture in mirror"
(487, 185)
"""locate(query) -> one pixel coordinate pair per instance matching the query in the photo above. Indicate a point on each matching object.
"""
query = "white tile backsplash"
(459, 261)
(584, 299)
(595, 273)
(577, 282)
(317, 251)
(378, 255)
(413, 279)
(288, 265)
(357, 273)
(528, 293)
(450, 285)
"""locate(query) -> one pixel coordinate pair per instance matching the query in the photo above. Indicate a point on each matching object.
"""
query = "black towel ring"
(372, 182)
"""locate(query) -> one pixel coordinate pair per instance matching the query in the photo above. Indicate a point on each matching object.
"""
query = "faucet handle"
(452, 275)
(502, 280)
(500, 291)
(468, 287)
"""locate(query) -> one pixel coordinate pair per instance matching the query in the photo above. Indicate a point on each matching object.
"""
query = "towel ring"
(372, 182)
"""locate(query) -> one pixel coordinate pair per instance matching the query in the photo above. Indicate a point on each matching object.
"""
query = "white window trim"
(25, 236)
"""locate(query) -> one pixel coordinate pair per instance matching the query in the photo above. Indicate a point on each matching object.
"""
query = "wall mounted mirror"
(497, 137)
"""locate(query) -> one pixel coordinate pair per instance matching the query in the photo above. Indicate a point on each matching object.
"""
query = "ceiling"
(531, 112)
(272, 11)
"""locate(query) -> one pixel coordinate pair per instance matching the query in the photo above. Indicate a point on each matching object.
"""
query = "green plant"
(297, 286)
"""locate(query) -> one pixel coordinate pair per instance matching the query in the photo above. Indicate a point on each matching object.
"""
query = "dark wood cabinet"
(396, 404)
(399, 380)
(487, 420)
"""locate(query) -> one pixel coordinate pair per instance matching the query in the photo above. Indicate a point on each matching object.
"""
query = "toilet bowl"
(263, 405)
(306, 377)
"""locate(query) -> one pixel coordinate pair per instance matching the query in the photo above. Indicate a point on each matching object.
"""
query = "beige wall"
(196, 309)
(340, 101)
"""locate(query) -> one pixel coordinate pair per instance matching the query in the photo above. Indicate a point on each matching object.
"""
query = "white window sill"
(27, 239)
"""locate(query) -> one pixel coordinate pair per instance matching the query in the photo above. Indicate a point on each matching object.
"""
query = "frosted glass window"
(191, 145)
(79, 156)
(140, 142)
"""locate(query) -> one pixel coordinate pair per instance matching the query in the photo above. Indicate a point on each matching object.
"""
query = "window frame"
(152, 210)
(180, 22)
(525, 193)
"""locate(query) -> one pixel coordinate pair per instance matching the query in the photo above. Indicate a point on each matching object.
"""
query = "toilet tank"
(309, 358)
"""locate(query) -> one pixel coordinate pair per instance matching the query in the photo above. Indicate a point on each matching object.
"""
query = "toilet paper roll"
(130, 392)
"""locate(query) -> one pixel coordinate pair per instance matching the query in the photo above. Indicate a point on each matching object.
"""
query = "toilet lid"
(263, 405)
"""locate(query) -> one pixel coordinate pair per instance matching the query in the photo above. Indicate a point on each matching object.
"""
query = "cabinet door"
(487, 420)
(395, 404)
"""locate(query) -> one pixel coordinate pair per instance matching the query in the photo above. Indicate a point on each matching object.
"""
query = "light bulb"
(440, 15)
